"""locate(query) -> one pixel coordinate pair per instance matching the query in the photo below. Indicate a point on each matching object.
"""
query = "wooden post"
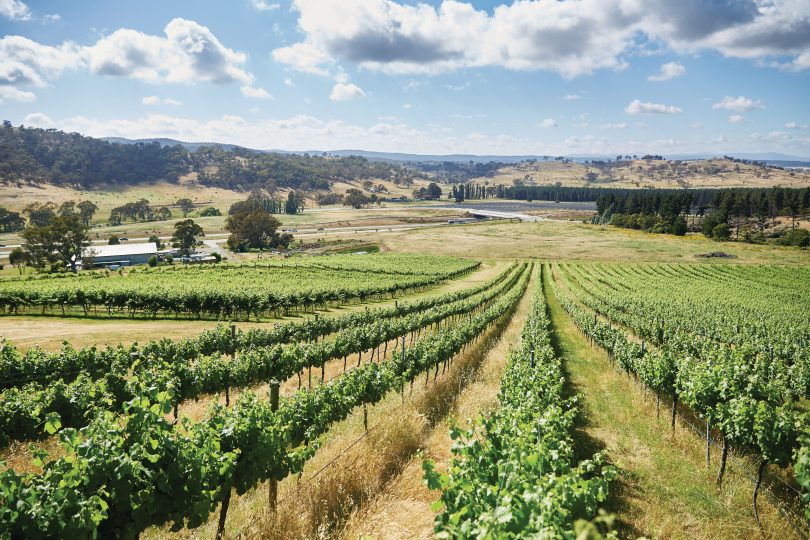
(708, 441)
(532, 360)
(273, 483)
(365, 416)
(223, 513)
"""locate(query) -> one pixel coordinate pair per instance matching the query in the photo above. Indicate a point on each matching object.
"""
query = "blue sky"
(483, 77)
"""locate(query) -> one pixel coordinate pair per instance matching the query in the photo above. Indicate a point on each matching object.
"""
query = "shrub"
(210, 211)
(721, 232)
(152, 261)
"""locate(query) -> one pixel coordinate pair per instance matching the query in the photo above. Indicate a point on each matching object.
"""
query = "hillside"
(39, 156)
(638, 173)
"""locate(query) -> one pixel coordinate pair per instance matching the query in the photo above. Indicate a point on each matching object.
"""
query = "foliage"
(61, 242)
(356, 199)
(514, 475)
(210, 211)
(185, 236)
(10, 221)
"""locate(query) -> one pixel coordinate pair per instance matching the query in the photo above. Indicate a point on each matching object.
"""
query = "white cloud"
(346, 92)
(696, 125)
(156, 100)
(14, 10)
(24, 62)
(571, 38)
(740, 104)
(38, 120)
(189, 53)
(618, 125)
(637, 107)
(263, 5)
(571, 97)
(52, 18)
(796, 125)
(407, 106)
(10, 93)
(255, 93)
(303, 57)
(288, 82)
(736, 119)
(548, 123)
(670, 70)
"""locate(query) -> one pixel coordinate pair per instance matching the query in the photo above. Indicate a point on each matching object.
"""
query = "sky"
(539, 77)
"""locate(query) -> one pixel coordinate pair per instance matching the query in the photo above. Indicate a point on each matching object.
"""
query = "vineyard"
(171, 435)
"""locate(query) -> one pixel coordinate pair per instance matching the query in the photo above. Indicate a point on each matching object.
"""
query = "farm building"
(121, 254)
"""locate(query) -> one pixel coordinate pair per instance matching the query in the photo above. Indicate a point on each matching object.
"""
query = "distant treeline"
(745, 202)
(55, 157)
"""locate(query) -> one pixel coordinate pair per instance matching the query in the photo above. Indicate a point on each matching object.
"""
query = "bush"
(156, 239)
(152, 261)
(797, 237)
(169, 259)
(217, 256)
(114, 240)
(210, 211)
(721, 232)
(328, 198)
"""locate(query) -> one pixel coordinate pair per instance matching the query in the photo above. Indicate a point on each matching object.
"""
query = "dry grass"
(403, 510)
(628, 175)
(572, 241)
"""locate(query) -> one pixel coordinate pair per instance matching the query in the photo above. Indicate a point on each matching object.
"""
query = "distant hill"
(772, 158)
(50, 156)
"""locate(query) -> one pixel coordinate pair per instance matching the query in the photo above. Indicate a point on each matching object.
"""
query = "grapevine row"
(514, 475)
(18, 368)
(124, 474)
(26, 411)
(708, 387)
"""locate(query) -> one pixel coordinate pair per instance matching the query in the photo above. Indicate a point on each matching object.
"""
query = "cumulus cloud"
(24, 62)
(10, 93)
(289, 82)
(736, 119)
(571, 97)
(670, 70)
(637, 107)
(346, 92)
(739, 103)
(187, 53)
(796, 125)
(571, 38)
(617, 125)
(548, 123)
(14, 10)
(38, 120)
(255, 93)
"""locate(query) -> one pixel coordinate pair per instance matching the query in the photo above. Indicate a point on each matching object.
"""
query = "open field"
(715, 173)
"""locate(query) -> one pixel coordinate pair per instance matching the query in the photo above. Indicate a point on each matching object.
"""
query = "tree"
(679, 226)
(156, 239)
(434, 191)
(251, 228)
(356, 199)
(721, 232)
(186, 206)
(62, 241)
(10, 221)
(185, 236)
(40, 215)
(293, 204)
(18, 258)
(113, 240)
(87, 210)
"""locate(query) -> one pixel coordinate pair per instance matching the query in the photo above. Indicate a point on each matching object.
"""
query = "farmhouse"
(121, 254)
